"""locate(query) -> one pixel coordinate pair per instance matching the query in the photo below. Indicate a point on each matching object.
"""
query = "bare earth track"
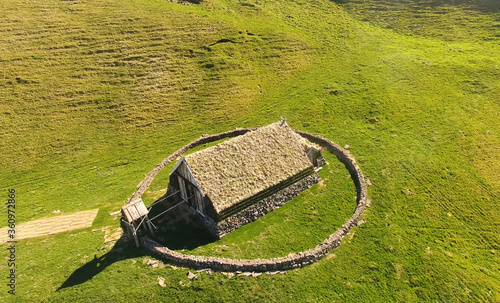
(50, 226)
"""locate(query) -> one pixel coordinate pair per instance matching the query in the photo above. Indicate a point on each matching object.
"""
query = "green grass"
(95, 93)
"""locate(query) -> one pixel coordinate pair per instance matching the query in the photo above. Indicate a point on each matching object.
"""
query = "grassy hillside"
(95, 93)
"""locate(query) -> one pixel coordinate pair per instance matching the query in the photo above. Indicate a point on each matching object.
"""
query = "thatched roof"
(237, 169)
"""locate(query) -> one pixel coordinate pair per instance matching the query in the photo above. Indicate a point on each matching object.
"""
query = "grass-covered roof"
(235, 170)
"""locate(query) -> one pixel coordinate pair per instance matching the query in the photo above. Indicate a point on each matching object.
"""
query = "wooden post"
(148, 223)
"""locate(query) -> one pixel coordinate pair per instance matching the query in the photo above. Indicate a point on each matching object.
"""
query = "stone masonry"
(291, 261)
(265, 206)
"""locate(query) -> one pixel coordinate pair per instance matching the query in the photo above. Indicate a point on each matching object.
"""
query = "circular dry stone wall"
(291, 261)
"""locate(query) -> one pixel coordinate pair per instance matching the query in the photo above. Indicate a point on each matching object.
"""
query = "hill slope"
(95, 93)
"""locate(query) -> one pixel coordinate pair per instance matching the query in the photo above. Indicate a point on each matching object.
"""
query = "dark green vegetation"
(449, 20)
(95, 93)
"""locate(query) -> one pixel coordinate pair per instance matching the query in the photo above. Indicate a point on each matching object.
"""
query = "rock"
(208, 271)
(161, 282)
(229, 275)
(153, 263)
(272, 273)
(115, 212)
(192, 276)
(347, 146)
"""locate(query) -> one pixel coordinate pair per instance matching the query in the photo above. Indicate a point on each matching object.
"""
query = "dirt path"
(50, 226)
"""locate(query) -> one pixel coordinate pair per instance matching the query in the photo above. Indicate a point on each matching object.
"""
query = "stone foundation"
(321, 161)
(265, 206)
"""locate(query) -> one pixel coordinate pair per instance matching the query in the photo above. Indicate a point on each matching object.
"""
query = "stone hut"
(237, 181)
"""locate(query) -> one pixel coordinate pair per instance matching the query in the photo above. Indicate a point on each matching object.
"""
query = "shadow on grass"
(176, 236)
(183, 235)
(123, 249)
(177, 229)
(485, 6)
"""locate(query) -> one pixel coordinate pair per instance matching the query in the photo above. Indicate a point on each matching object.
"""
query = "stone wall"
(291, 261)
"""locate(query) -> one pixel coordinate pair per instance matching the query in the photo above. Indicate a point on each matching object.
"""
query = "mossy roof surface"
(237, 169)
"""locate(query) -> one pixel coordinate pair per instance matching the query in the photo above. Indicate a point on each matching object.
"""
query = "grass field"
(95, 93)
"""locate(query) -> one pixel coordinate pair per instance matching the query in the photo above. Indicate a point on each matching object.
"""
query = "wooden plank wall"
(190, 189)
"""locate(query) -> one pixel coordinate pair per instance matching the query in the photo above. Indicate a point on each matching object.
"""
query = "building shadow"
(183, 235)
(123, 249)
(172, 230)
(178, 228)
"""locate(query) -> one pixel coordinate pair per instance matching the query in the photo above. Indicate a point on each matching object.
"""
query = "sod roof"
(237, 169)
